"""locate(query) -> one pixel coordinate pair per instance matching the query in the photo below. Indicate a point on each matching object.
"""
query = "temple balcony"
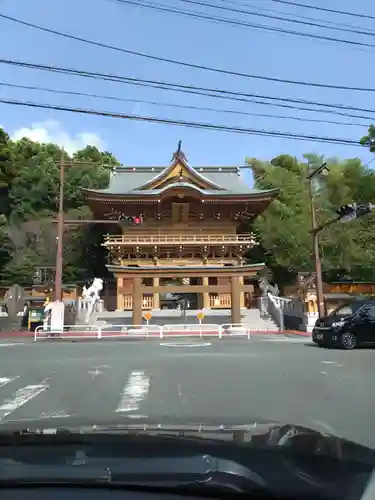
(187, 239)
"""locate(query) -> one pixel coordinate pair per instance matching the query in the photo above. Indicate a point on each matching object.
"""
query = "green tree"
(369, 140)
(31, 178)
(284, 228)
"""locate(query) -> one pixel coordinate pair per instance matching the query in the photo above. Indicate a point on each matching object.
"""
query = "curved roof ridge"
(179, 158)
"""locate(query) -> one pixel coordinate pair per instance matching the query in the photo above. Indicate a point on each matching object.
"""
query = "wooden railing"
(191, 239)
(221, 301)
(147, 302)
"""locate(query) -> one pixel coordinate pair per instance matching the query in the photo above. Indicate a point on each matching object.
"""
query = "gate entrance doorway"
(179, 298)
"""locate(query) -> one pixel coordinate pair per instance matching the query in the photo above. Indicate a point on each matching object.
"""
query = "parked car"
(347, 326)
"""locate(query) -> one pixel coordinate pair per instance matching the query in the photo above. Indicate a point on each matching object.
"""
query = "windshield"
(347, 309)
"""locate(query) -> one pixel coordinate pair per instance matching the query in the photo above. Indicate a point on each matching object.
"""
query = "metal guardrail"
(100, 332)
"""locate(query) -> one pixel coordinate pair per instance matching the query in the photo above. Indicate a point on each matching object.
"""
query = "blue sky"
(201, 42)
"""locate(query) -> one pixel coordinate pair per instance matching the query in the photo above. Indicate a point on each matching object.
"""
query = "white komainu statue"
(91, 296)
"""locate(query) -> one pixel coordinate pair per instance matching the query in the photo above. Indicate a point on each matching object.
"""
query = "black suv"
(347, 326)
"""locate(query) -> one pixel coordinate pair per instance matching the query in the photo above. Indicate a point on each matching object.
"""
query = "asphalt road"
(232, 381)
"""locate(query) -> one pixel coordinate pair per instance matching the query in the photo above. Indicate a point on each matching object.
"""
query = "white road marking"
(181, 396)
(9, 344)
(54, 414)
(283, 339)
(134, 392)
(332, 363)
(21, 397)
(203, 344)
(299, 340)
(6, 380)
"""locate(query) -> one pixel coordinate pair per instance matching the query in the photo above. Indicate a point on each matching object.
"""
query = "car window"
(356, 306)
(367, 311)
(349, 309)
(372, 311)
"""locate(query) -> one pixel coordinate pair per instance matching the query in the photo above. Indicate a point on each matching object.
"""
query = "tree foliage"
(29, 188)
(347, 250)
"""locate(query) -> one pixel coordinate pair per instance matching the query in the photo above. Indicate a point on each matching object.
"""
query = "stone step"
(251, 318)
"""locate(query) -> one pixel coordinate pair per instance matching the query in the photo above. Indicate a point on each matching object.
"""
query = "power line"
(279, 18)
(180, 106)
(369, 162)
(324, 9)
(190, 89)
(185, 64)
(236, 22)
(299, 16)
(198, 125)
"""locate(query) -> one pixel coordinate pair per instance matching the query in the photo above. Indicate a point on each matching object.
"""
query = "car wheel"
(348, 340)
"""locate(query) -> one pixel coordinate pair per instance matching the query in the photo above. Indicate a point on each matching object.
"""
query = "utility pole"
(60, 234)
(315, 233)
(61, 223)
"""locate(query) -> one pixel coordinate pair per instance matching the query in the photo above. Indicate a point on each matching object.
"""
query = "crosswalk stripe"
(135, 390)
(6, 380)
(21, 397)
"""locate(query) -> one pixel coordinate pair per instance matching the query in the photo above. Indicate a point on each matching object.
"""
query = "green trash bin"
(36, 317)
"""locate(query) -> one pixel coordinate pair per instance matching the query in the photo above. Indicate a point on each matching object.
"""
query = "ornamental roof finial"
(179, 154)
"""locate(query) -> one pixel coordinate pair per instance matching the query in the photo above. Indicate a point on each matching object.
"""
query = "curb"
(10, 335)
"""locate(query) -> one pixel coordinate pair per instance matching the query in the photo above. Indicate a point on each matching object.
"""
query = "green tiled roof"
(129, 181)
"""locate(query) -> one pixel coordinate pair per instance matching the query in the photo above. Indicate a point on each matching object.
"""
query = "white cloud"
(52, 131)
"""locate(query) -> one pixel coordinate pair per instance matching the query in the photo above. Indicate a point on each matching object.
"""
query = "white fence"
(102, 332)
(192, 330)
(234, 330)
(69, 331)
(130, 331)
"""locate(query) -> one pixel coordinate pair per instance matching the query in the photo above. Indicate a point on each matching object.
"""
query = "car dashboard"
(108, 466)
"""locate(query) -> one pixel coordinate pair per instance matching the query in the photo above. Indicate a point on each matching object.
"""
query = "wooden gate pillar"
(236, 299)
(137, 301)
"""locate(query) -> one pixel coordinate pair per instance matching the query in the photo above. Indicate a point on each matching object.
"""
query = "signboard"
(57, 316)
(200, 315)
(147, 315)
